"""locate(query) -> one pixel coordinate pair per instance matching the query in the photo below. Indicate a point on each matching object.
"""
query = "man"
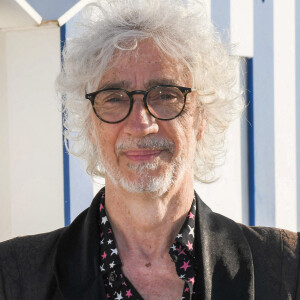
(149, 89)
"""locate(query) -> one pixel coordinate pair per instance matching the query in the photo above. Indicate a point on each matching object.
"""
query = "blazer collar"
(76, 265)
(225, 259)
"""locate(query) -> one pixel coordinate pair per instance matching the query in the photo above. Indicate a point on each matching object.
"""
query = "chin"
(157, 185)
(145, 178)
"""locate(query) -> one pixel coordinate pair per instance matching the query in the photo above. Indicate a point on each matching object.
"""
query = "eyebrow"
(115, 85)
(161, 81)
(127, 84)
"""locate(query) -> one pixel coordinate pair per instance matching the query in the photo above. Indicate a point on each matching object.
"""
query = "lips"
(142, 154)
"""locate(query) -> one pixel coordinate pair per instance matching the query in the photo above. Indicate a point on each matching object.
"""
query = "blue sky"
(51, 9)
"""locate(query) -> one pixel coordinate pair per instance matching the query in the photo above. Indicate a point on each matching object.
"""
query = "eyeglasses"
(163, 102)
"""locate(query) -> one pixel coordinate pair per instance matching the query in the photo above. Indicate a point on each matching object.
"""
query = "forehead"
(144, 67)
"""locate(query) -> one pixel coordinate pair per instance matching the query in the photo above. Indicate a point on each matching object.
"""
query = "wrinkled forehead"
(146, 62)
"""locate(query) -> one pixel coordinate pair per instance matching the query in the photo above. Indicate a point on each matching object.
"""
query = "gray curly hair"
(180, 29)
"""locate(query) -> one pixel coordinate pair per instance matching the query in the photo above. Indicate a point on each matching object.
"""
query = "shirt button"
(174, 258)
(113, 276)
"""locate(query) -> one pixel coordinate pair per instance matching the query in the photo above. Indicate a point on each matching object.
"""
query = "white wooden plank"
(30, 10)
(73, 11)
(241, 27)
(285, 115)
(263, 106)
(13, 15)
(5, 206)
(35, 167)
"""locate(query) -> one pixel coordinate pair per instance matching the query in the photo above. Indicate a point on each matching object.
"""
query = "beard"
(155, 177)
(146, 181)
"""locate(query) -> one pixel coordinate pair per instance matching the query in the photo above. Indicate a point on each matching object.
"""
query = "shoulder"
(275, 256)
(273, 243)
(26, 264)
(37, 245)
(32, 240)
(274, 252)
(270, 239)
(264, 239)
(33, 247)
(28, 252)
(31, 244)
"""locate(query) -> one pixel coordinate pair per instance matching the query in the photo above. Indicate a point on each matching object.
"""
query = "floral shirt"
(117, 286)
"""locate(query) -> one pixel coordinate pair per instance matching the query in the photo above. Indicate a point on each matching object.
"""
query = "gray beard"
(146, 182)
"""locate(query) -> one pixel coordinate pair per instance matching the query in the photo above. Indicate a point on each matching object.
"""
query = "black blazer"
(234, 261)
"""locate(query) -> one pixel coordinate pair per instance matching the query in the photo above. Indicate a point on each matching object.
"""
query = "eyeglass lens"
(163, 103)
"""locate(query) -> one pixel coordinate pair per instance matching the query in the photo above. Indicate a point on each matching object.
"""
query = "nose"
(140, 122)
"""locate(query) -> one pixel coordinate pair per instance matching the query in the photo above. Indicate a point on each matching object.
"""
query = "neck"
(140, 221)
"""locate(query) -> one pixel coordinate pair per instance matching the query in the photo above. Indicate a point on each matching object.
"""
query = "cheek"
(189, 124)
(188, 139)
(184, 138)
(102, 136)
(106, 140)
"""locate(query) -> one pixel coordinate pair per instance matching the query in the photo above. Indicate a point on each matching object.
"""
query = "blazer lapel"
(76, 265)
(225, 269)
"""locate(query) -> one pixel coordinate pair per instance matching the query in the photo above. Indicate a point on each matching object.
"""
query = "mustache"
(145, 143)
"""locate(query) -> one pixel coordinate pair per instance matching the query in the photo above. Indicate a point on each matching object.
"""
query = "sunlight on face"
(147, 180)
(142, 154)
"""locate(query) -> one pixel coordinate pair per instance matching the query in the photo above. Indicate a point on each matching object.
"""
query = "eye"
(166, 96)
(114, 99)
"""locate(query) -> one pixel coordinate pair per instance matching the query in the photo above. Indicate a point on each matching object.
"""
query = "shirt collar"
(181, 251)
(184, 241)
(109, 256)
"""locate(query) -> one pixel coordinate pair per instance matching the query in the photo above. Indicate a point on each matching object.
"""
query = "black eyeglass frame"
(183, 90)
